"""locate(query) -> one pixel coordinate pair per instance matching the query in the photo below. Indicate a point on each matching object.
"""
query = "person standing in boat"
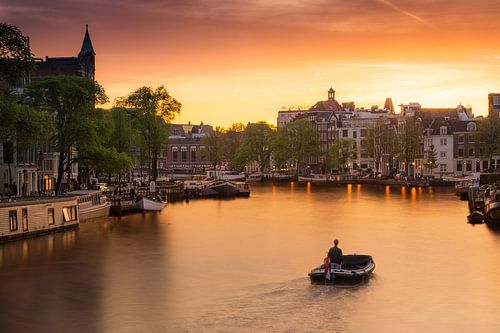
(335, 255)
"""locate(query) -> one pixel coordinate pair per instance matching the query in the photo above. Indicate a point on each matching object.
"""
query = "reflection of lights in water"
(292, 186)
(349, 192)
(25, 250)
(420, 191)
(308, 188)
(431, 191)
(50, 244)
(403, 192)
(69, 238)
(387, 191)
(273, 190)
(413, 192)
(358, 188)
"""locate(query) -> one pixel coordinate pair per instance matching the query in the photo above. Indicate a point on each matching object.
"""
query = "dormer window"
(443, 130)
(471, 127)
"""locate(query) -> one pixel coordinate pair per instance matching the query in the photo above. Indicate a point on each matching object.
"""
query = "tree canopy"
(16, 59)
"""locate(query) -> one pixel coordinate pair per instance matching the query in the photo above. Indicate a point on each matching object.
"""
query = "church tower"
(86, 57)
(331, 94)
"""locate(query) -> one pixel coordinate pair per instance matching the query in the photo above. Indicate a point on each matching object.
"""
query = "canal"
(241, 265)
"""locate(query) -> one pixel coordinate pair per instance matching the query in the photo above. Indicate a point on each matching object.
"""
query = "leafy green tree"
(297, 142)
(339, 154)
(16, 59)
(488, 135)
(21, 127)
(213, 143)
(231, 139)
(256, 145)
(155, 108)
(432, 161)
(70, 102)
(410, 135)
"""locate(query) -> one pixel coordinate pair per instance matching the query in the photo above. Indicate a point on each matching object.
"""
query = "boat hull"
(348, 275)
(94, 212)
(151, 205)
(492, 211)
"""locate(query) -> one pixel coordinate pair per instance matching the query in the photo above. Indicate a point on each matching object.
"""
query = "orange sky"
(239, 61)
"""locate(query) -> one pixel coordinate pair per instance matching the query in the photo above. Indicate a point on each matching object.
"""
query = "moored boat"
(492, 205)
(155, 203)
(356, 269)
(313, 178)
(91, 204)
(475, 217)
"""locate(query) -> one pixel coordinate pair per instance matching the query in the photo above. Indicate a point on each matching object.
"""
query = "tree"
(432, 162)
(213, 143)
(256, 145)
(410, 139)
(16, 59)
(376, 142)
(231, 139)
(488, 135)
(339, 154)
(297, 141)
(154, 110)
(22, 127)
(70, 102)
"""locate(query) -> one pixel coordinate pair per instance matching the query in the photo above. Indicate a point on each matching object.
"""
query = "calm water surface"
(241, 265)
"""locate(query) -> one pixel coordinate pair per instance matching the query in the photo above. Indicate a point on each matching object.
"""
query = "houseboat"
(91, 204)
(492, 204)
(29, 217)
(313, 178)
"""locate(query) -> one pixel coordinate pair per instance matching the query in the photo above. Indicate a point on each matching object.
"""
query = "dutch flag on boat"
(327, 268)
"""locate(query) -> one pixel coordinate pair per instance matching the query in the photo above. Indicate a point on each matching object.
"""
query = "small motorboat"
(151, 203)
(356, 269)
(475, 217)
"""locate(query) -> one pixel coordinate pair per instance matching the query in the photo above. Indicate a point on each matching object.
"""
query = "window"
(468, 166)
(443, 142)
(471, 127)
(443, 130)
(442, 167)
(354, 134)
(354, 145)
(175, 154)
(459, 166)
(460, 139)
(183, 154)
(13, 220)
(193, 155)
(25, 219)
(442, 154)
(363, 132)
(471, 138)
(460, 152)
(51, 219)
(471, 152)
(69, 214)
(345, 133)
(364, 166)
(485, 165)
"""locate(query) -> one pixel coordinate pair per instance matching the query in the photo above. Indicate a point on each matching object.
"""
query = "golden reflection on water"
(25, 250)
(50, 245)
(403, 192)
(68, 239)
(413, 194)
(387, 192)
(349, 192)
(292, 186)
(308, 187)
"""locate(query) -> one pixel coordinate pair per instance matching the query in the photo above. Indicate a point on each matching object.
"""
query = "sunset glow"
(241, 61)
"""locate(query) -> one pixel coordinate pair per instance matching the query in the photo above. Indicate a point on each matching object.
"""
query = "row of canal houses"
(450, 131)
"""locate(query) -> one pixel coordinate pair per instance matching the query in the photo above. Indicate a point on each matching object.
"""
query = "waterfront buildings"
(34, 169)
(448, 133)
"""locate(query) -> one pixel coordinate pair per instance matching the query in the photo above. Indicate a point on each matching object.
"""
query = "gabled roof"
(87, 48)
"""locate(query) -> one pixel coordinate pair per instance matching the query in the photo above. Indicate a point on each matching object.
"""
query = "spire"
(87, 48)
(331, 93)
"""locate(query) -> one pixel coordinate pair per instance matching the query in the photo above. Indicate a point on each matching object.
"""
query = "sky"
(233, 61)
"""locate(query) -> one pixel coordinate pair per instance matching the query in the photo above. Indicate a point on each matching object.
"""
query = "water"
(241, 266)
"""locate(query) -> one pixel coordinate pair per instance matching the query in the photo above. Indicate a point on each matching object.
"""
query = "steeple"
(87, 48)
(331, 93)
